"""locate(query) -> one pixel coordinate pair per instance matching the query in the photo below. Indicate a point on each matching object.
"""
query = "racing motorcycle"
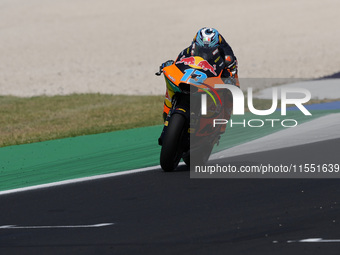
(188, 131)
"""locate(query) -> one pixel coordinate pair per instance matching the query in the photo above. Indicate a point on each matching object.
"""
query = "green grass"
(28, 120)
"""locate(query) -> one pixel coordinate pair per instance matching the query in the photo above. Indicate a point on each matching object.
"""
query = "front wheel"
(172, 144)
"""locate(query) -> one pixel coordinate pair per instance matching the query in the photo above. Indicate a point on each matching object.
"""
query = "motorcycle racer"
(208, 38)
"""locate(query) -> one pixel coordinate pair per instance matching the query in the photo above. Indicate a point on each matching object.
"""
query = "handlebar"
(160, 71)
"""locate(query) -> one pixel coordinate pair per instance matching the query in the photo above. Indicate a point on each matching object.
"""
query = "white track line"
(84, 179)
(315, 240)
(100, 225)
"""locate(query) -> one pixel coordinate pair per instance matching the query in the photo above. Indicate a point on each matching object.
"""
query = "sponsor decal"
(217, 59)
(187, 61)
(198, 63)
(180, 109)
(191, 130)
(172, 78)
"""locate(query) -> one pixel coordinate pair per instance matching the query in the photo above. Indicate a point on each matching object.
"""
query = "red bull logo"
(206, 66)
(186, 61)
(198, 63)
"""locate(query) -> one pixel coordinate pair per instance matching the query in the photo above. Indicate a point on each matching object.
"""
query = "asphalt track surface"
(168, 213)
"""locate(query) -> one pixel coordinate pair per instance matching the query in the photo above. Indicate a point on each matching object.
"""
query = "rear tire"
(172, 144)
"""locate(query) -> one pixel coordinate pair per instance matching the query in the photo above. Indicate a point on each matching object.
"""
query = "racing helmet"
(207, 37)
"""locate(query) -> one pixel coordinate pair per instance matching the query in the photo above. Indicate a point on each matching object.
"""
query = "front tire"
(172, 144)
